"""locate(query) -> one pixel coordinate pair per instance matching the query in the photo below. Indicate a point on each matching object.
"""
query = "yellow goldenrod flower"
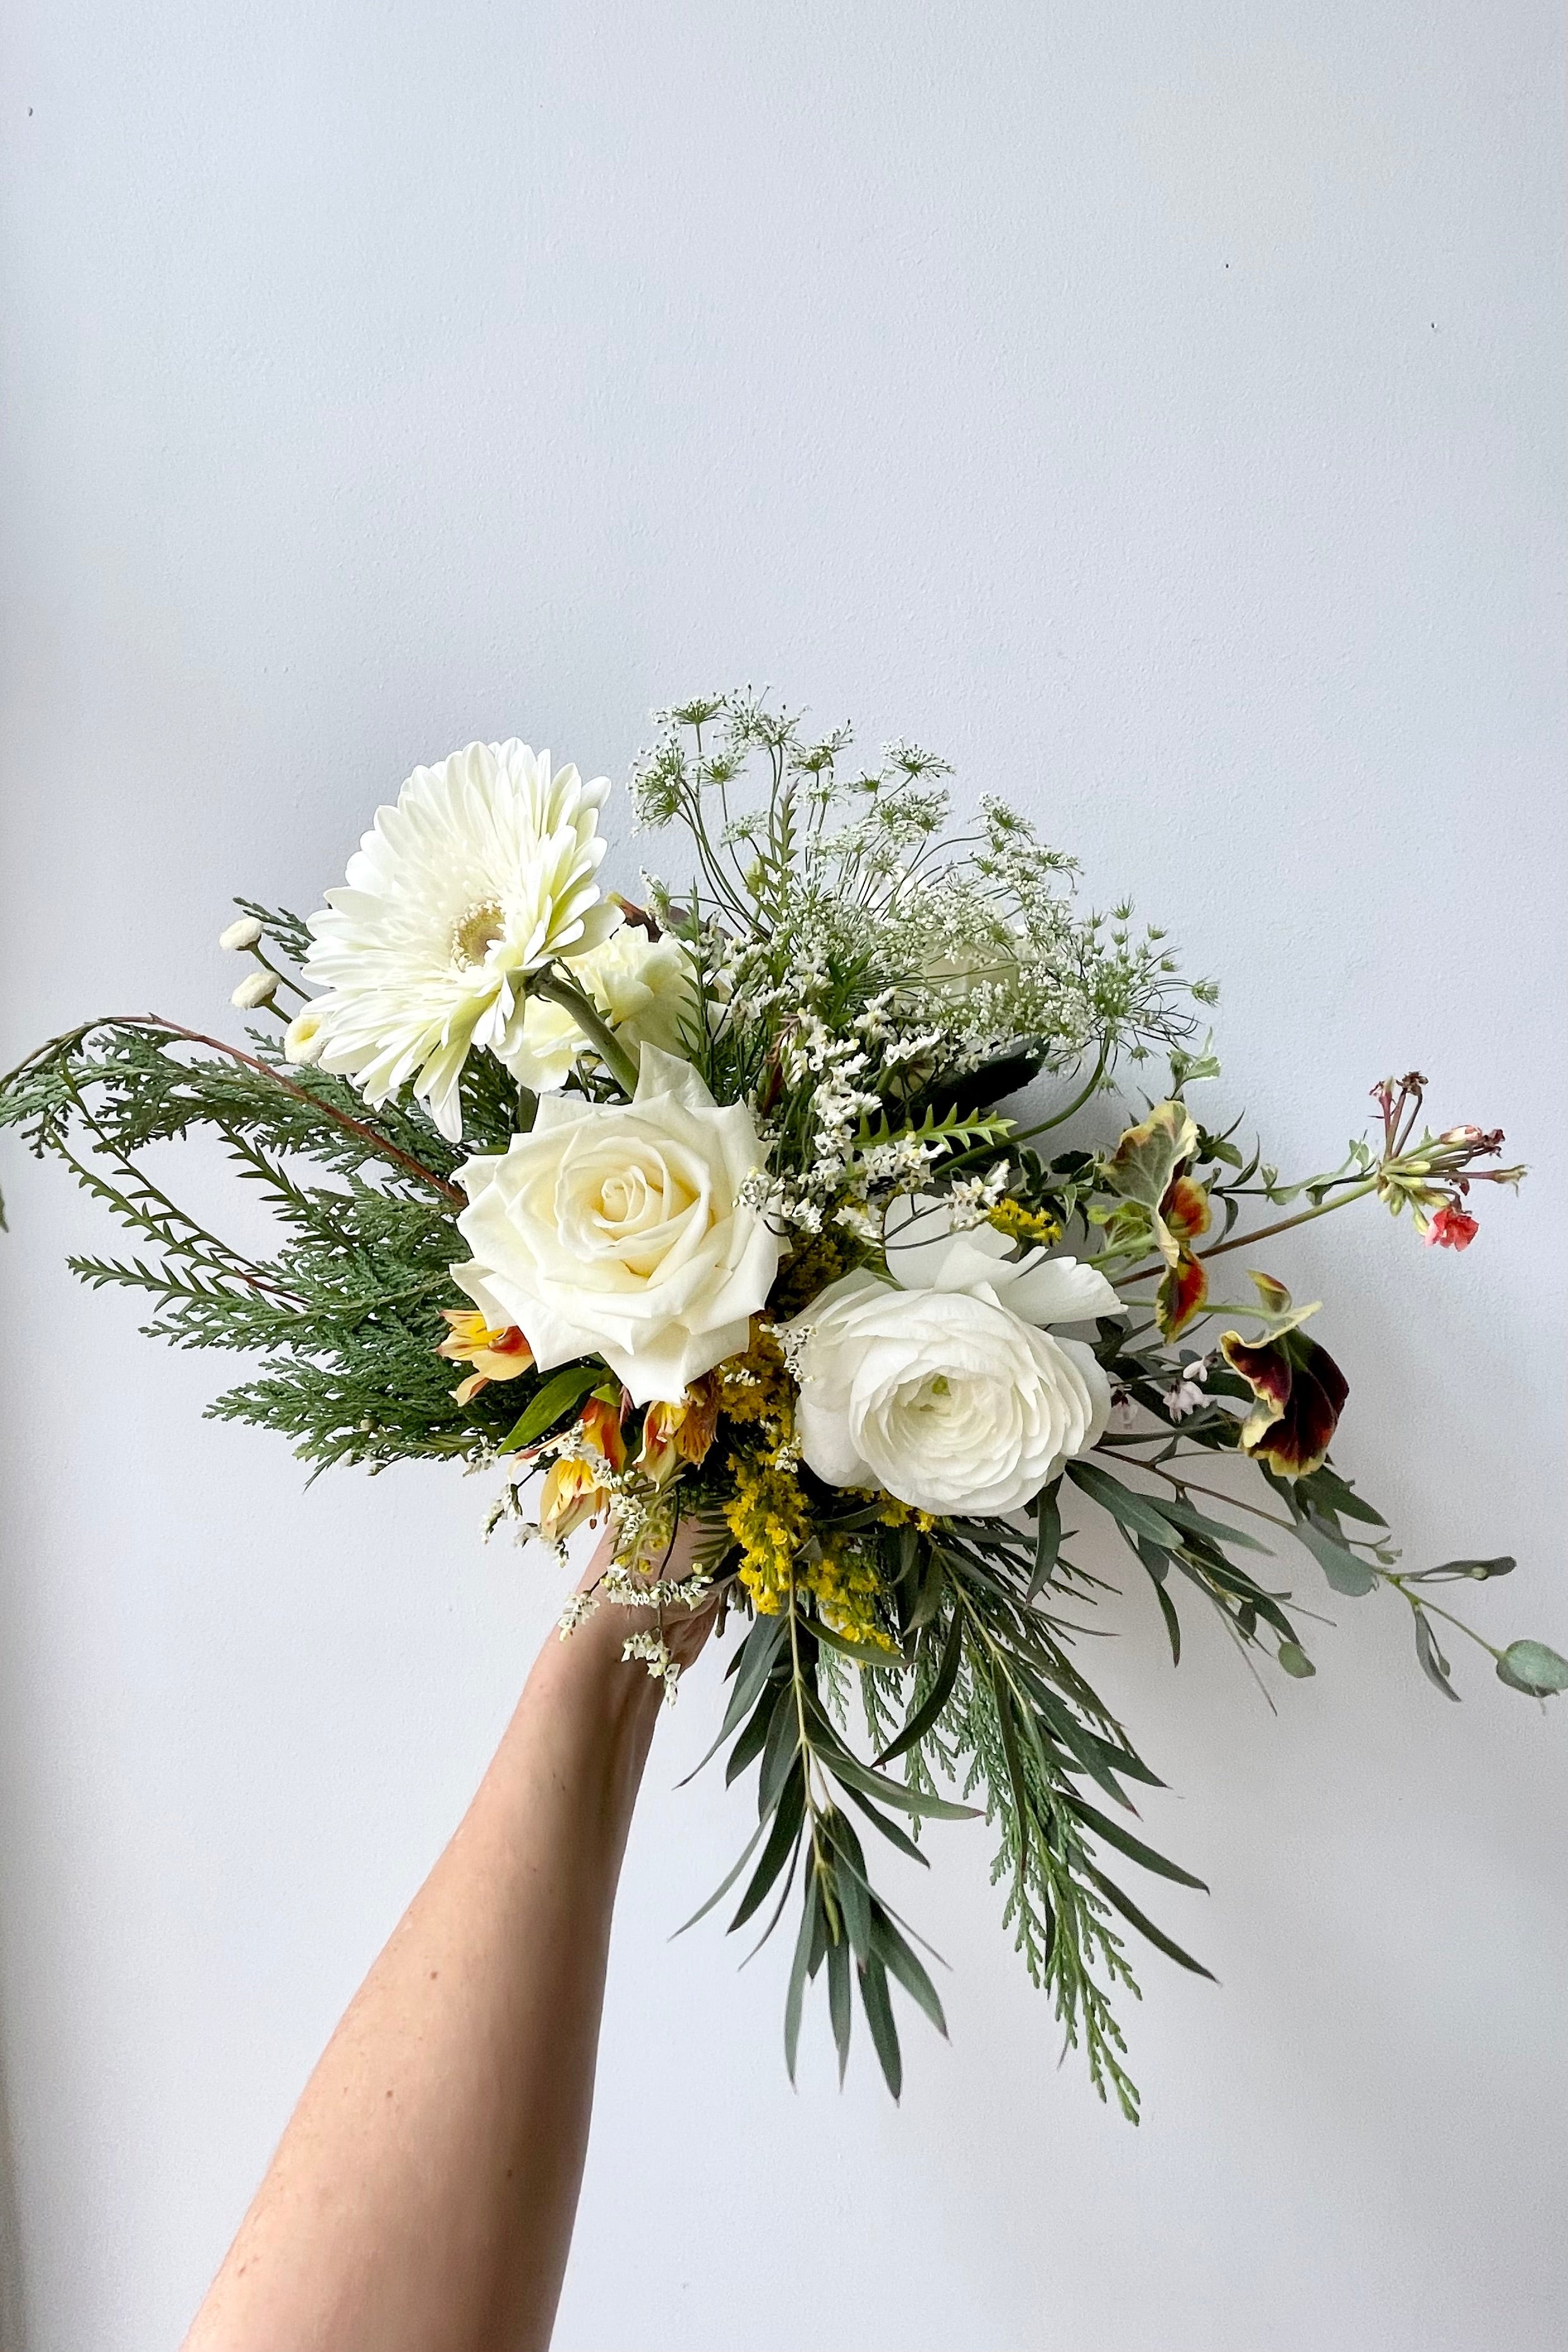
(1024, 1224)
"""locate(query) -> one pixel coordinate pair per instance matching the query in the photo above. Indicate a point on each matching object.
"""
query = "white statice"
(939, 1386)
(623, 1230)
(482, 872)
(645, 989)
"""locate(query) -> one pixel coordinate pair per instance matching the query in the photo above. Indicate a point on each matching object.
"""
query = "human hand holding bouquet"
(710, 1208)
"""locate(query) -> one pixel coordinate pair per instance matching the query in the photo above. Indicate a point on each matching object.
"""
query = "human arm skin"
(422, 2198)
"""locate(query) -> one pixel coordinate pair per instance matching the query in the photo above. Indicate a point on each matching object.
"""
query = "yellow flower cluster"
(810, 1268)
(1023, 1225)
(768, 1514)
(755, 1387)
(768, 1520)
(891, 1513)
(846, 1585)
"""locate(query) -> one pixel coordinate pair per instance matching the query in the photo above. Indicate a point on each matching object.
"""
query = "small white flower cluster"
(508, 1506)
(972, 1198)
(654, 1653)
(620, 1584)
(1189, 1394)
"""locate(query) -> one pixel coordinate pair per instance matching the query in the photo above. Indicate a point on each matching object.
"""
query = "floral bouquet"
(711, 1204)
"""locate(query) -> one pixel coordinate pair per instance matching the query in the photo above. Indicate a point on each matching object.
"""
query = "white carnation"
(623, 1229)
(939, 1387)
(482, 872)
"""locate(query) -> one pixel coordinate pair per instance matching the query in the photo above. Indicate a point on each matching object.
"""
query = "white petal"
(1056, 1290)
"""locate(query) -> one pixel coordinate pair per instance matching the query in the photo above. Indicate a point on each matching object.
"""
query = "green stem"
(1263, 1232)
(551, 984)
(1023, 1134)
(1390, 1576)
(1059, 1119)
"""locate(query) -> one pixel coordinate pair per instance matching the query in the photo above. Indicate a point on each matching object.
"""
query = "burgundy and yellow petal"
(1181, 1293)
(1300, 1393)
(1184, 1210)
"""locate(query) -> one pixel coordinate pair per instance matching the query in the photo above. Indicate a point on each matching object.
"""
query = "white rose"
(618, 1230)
(644, 987)
(938, 1386)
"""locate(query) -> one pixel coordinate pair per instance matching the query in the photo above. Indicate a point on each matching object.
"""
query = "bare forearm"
(424, 2194)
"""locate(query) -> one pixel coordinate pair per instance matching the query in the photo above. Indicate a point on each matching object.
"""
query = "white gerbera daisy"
(482, 872)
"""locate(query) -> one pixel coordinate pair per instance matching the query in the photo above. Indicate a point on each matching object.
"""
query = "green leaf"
(1326, 1487)
(779, 1750)
(1295, 1661)
(1168, 1610)
(1343, 1569)
(750, 1743)
(1531, 1666)
(879, 2017)
(1450, 1571)
(890, 1829)
(897, 1955)
(780, 1848)
(1135, 1848)
(936, 1697)
(1148, 1156)
(1048, 1539)
(855, 1775)
(841, 2001)
(554, 1402)
(1434, 1664)
(864, 1654)
(798, 1966)
(1146, 1925)
(722, 1889)
(1137, 1512)
(1215, 1531)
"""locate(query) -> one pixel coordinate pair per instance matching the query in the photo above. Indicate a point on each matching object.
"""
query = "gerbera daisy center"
(475, 933)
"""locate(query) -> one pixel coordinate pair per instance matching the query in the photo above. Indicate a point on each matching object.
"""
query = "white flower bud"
(257, 989)
(241, 935)
(304, 1038)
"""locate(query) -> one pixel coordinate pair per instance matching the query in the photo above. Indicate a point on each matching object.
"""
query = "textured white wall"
(1154, 403)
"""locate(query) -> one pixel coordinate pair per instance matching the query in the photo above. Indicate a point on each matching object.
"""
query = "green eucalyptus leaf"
(1295, 1661)
(1531, 1666)
(1452, 1571)
(1343, 1569)
(1434, 1664)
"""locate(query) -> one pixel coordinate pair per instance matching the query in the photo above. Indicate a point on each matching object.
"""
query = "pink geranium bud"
(1452, 1228)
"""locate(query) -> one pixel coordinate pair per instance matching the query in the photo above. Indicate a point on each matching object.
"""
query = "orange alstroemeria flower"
(578, 1489)
(676, 1434)
(495, 1355)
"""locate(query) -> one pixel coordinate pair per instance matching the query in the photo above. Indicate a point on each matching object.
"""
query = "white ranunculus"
(618, 1230)
(938, 1386)
(645, 989)
(483, 871)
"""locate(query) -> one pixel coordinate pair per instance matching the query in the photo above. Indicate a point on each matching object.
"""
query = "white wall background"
(1154, 403)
